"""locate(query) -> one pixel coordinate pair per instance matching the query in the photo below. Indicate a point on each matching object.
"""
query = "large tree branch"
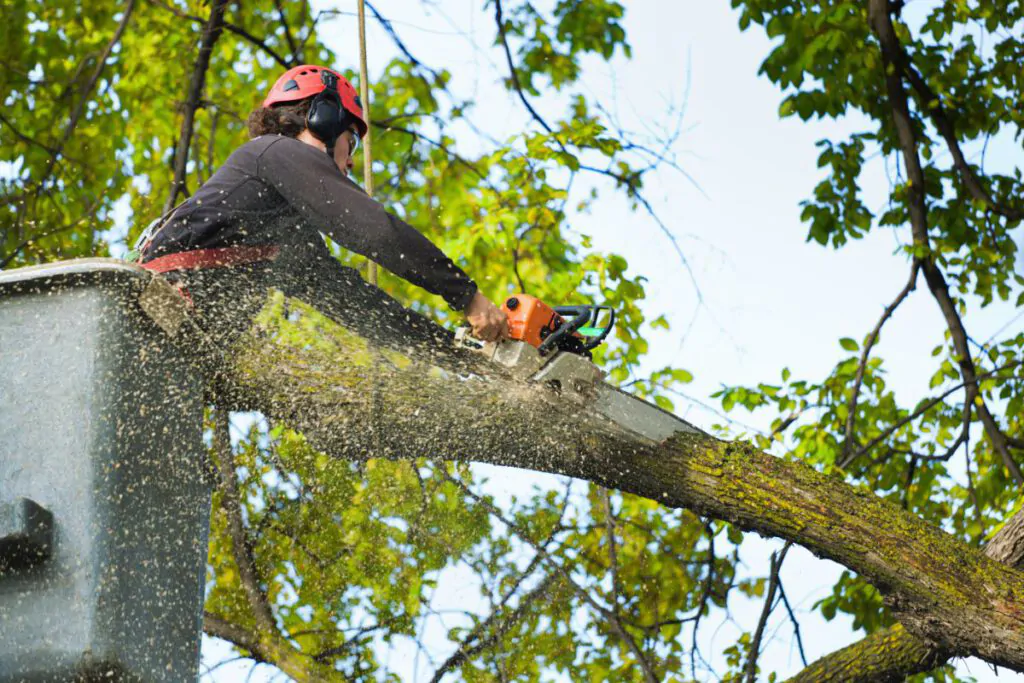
(941, 589)
(211, 32)
(274, 651)
(233, 633)
(890, 655)
(881, 24)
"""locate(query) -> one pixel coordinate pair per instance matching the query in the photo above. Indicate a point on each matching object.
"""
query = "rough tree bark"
(892, 654)
(352, 400)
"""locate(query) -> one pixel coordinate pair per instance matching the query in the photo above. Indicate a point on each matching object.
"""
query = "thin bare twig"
(296, 50)
(705, 595)
(390, 29)
(930, 103)
(234, 28)
(495, 627)
(851, 415)
(631, 182)
(769, 605)
(240, 543)
(584, 594)
(793, 620)
(922, 410)
(57, 150)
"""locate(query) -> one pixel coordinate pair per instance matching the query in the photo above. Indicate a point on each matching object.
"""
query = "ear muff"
(326, 118)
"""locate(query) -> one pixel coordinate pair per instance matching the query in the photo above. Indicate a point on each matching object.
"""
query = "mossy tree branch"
(893, 654)
(298, 367)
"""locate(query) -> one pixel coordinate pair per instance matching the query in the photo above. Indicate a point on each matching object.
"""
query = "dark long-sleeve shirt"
(276, 190)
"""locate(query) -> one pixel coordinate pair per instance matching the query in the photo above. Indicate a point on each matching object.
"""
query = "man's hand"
(489, 323)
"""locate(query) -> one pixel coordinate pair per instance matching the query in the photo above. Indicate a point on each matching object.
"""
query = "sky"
(767, 299)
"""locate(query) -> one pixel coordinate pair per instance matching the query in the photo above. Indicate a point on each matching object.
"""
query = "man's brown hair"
(281, 119)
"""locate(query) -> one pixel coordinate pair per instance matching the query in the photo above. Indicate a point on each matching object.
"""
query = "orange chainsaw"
(576, 329)
(550, 348)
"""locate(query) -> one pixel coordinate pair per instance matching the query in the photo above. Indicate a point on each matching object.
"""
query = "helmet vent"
(290, 85)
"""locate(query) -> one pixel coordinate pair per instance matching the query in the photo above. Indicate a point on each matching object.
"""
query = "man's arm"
(310, 181)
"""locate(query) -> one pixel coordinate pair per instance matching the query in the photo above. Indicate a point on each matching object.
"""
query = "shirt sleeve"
(311, 183)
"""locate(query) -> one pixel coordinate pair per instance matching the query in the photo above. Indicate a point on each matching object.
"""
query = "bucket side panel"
(48, 355)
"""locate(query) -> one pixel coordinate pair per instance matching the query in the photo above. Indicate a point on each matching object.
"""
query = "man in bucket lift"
(257, 222)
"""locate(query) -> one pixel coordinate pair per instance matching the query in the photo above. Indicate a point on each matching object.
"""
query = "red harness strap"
(211, 258)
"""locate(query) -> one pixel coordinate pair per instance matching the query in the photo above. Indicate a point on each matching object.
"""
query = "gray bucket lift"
(104, 500)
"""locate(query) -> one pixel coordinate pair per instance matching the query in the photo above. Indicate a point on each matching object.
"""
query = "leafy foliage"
(347, 556)
(955, 69)
(593, 585)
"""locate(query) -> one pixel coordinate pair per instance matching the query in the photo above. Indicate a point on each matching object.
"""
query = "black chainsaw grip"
(581, 315)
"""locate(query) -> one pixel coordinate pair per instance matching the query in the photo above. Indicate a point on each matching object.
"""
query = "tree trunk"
(352, 400)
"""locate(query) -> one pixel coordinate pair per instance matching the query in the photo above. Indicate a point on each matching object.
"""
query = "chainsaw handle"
(581, 315)
(595, 341)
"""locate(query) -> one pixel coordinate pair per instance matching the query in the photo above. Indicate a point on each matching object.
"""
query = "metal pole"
(364, 95)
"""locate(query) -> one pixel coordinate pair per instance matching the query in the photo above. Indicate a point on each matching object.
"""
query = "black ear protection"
(327, 118)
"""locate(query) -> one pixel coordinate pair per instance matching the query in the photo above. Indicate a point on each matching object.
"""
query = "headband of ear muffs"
(327, 118)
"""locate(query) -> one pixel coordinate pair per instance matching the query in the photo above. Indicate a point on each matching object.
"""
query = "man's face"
(344, 150)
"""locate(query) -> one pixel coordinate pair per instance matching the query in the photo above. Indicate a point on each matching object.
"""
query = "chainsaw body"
(550, 346)
(576, 329)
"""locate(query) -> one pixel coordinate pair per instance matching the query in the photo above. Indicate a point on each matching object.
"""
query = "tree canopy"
(113, 112)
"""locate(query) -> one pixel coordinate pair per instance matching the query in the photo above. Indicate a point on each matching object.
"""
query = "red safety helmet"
(306, 81)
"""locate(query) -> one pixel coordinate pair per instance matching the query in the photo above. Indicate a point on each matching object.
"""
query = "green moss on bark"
(351, 402)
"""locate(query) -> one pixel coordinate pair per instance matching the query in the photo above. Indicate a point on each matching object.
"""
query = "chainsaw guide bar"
(570, 376)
